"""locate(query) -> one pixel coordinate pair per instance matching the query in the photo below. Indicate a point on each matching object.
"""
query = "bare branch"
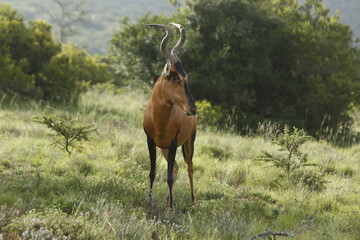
(269, 233)
(69, 14)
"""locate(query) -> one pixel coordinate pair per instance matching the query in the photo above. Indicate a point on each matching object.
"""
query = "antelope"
(170, 117)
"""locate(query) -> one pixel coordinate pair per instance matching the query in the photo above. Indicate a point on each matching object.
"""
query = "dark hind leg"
(188, 152)
(152, 153)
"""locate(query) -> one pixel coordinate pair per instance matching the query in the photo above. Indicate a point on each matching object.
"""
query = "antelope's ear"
(166, 71)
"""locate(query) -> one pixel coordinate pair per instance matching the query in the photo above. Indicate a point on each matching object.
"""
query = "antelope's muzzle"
(192, 107)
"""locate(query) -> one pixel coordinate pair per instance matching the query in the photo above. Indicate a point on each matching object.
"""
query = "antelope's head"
(174, 79)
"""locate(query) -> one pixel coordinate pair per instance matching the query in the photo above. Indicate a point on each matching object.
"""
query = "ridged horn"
(181, 41)
(163, 44)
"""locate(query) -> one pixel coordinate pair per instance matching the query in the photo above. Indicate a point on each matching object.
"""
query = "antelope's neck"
(166, 126)
(161, 109)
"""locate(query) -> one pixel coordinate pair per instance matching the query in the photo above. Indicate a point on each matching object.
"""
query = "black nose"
(193, 110)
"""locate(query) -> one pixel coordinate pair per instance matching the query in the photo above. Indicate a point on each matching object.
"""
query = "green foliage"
(236, 177)
(234, 64)
(42, 46)
(34, 65)
(84, 167)
(69, 73)
(24, 50)
(215, 152)
(291, 160)
(68, 133)
(15, 40)
(325, 60)
(312, 180)
(209, 115)
(261, 60)
(134, 51)
(13, 79)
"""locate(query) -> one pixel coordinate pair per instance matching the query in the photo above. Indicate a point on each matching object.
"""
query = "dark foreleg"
(152, 153)
(170, 172)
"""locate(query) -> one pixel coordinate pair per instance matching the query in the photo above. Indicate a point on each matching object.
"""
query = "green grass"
(101, 191)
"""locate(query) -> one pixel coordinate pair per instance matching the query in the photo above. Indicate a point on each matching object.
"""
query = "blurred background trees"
(257, 60)
(104, 16)
(35, 65)
(67, 15)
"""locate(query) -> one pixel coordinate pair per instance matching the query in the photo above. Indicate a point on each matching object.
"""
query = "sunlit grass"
(101, 191)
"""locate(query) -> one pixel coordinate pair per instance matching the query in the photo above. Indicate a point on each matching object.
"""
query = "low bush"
(68, 133)
(215, 152)
(210, 116)
(290, 159)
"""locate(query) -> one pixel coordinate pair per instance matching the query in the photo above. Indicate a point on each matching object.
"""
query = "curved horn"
(164, 42)
(181, 41)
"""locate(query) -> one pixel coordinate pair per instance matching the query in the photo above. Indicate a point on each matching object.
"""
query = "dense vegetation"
(348, 11)
(100, 191)
(34, 64)
(265, 60)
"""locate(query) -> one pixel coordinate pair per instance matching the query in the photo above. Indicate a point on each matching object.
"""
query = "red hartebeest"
(170, 116)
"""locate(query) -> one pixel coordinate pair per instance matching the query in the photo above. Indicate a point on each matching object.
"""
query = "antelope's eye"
(177, 79)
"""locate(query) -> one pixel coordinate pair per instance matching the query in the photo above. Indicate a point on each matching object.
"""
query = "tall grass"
(343, 134)
(101, 192)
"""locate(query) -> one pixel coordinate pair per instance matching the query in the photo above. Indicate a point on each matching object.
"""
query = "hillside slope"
(101, 190)
(105, 15)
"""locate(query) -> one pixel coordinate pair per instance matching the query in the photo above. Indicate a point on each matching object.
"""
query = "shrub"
(215, 152)
(236, 176)
(84, 167)
(69, 73)
(209, 115)
(68, 133)
(290, 160)
(6, 164)
(311, 180)
(342, 171)
(33, 64)
(346, 172)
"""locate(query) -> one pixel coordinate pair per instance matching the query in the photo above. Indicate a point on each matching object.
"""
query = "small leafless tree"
(67, 16)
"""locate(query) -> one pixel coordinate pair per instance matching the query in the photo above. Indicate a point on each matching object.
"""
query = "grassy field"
(100, 191)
